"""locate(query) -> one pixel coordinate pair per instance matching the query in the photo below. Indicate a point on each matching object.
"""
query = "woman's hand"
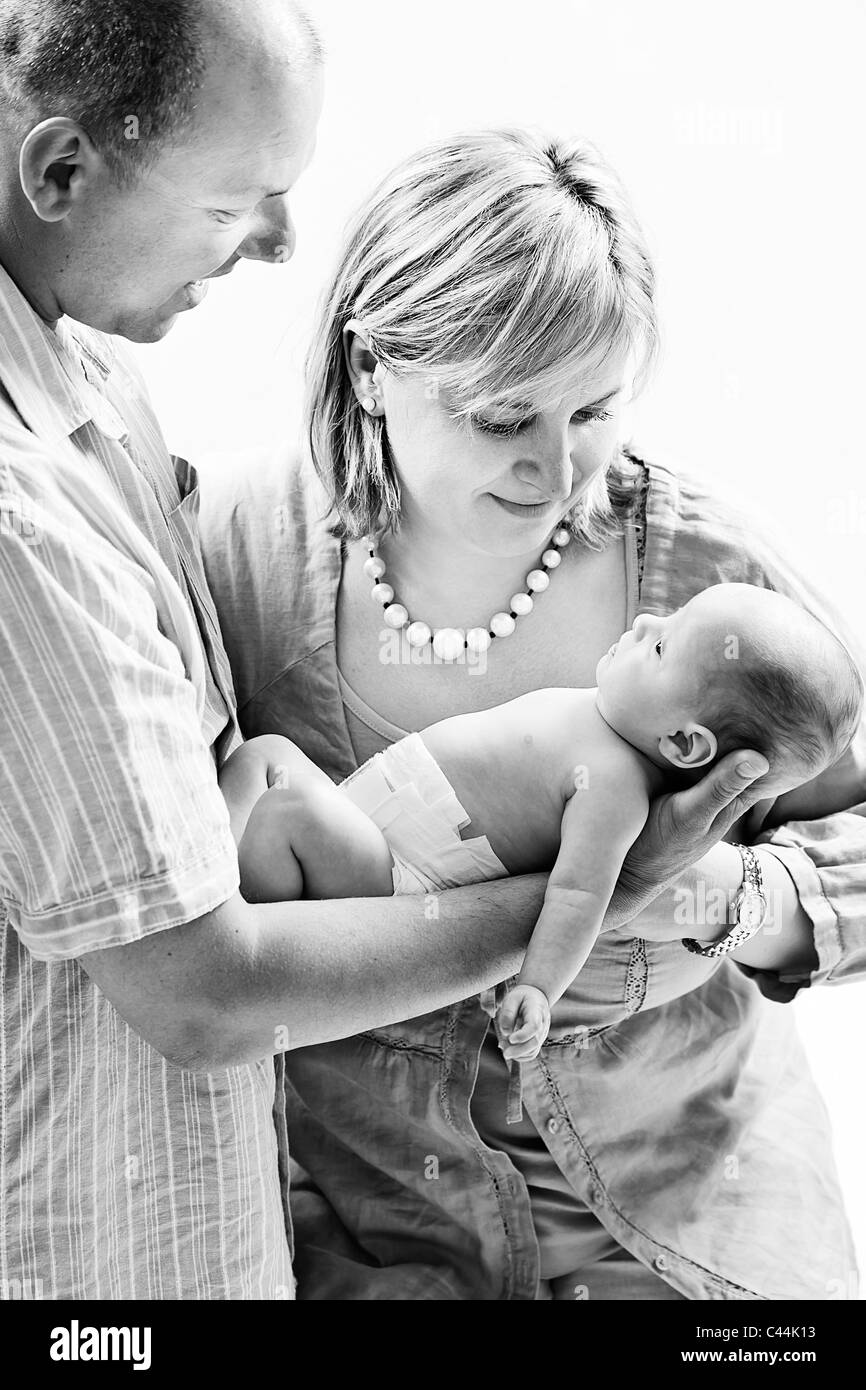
(680, 829)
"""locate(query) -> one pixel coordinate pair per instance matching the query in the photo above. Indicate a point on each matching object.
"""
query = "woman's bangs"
(530, 368)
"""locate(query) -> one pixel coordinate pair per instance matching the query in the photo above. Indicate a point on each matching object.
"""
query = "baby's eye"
(659, 647)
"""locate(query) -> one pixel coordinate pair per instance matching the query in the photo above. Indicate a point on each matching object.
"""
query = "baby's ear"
(688, 748)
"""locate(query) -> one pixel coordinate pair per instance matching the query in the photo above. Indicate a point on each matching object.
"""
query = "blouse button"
(553, 1126)
(660, 1262)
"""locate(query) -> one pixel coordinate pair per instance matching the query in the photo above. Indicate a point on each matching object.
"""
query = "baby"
(558, 779)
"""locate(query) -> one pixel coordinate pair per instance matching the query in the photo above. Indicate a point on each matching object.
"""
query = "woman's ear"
(361, 364)
(693, 746)
(57, 166)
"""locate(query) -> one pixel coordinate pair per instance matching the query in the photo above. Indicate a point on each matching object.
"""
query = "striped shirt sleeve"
(112, 825)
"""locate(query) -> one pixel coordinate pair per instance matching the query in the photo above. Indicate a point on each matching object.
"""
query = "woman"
(490, 319)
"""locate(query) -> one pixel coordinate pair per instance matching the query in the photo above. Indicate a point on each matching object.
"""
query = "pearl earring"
(369, 404)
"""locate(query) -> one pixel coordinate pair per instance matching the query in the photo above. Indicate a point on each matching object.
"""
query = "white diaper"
(405, 792)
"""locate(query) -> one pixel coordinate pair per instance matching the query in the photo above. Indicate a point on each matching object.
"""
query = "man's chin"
(155, 332)
(151, 326)
(146, 330)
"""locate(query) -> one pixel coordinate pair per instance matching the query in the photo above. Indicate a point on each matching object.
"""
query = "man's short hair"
(126, 70)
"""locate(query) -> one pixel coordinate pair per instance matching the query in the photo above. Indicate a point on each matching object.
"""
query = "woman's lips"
(527, 510)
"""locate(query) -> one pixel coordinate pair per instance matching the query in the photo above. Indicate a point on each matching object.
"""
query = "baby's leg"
(305, 839)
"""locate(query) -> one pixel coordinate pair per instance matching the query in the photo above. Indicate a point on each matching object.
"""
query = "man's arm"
(245, 981)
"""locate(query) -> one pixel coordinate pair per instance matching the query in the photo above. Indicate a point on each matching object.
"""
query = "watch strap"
(752, 890)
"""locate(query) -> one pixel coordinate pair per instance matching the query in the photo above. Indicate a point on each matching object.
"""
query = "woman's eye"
(225, 218)
(659, 647)
(502, 429)
(585, 416)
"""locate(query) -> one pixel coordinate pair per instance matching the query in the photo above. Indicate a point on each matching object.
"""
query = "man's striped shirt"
(122, 1176)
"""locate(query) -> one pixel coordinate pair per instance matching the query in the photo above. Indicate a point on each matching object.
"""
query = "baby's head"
(737, 667)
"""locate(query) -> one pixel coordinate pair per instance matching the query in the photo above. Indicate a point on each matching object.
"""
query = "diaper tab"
(407, 795)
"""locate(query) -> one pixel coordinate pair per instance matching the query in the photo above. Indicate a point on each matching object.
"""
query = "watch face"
(751, 910)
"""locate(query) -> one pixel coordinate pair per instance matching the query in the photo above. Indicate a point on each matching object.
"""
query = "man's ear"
(693, 746)
(361, 364)
(58, 163)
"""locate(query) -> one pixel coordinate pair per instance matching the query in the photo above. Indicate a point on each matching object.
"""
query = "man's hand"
(681, 828)
(523, 1023)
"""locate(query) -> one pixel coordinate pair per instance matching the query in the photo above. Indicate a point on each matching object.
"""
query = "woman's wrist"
(699, 904)
(785, 941)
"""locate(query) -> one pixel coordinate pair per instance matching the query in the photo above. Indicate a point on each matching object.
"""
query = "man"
(145, 151)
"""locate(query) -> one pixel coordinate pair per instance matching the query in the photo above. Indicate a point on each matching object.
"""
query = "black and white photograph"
(432, 663)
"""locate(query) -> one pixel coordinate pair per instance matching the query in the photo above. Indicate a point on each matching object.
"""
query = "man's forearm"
(312, 972)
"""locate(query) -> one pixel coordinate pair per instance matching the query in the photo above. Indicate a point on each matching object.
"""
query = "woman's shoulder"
(272, 561)
(268, 490)
(696, 536)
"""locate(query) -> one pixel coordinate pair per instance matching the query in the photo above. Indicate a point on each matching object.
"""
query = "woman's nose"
(550, 469)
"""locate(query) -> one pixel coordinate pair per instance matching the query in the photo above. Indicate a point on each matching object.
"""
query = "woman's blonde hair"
(489, 263)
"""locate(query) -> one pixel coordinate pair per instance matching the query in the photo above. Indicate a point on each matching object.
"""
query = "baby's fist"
(523, 1023)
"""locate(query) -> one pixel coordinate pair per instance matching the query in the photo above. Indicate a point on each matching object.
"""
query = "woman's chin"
(507, 533)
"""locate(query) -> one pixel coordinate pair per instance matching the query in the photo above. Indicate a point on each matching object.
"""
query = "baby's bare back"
(513, 768)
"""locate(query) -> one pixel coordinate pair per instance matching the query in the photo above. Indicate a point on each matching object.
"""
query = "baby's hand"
(523, 1023)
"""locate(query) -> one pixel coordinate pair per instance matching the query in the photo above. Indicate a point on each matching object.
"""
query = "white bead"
(449, 643)
(551, 558)
(521, 604)
(561, 537)
(382, 593)
(374, 567)
(395, 615)
(418, 634)
(478, 639)
(502, 624)
(537, 581)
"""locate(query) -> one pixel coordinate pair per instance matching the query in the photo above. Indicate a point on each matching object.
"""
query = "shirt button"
(553, 1126)
(596, 1196)
(660, 1262)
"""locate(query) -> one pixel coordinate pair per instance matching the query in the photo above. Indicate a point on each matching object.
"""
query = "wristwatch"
(749, 911)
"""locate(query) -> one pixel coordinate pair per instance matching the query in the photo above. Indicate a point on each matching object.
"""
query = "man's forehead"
(259, 159)
(250, 101)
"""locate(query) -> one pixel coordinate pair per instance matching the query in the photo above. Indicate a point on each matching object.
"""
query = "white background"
(737, 129)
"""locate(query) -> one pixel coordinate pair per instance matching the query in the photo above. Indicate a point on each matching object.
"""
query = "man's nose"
(272, 238)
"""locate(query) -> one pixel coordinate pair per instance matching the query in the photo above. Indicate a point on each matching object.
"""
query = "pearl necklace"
(449, 643)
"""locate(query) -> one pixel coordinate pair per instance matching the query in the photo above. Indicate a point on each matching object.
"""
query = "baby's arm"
(599, 825)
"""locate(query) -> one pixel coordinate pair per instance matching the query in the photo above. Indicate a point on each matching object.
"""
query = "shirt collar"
(55, 377)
